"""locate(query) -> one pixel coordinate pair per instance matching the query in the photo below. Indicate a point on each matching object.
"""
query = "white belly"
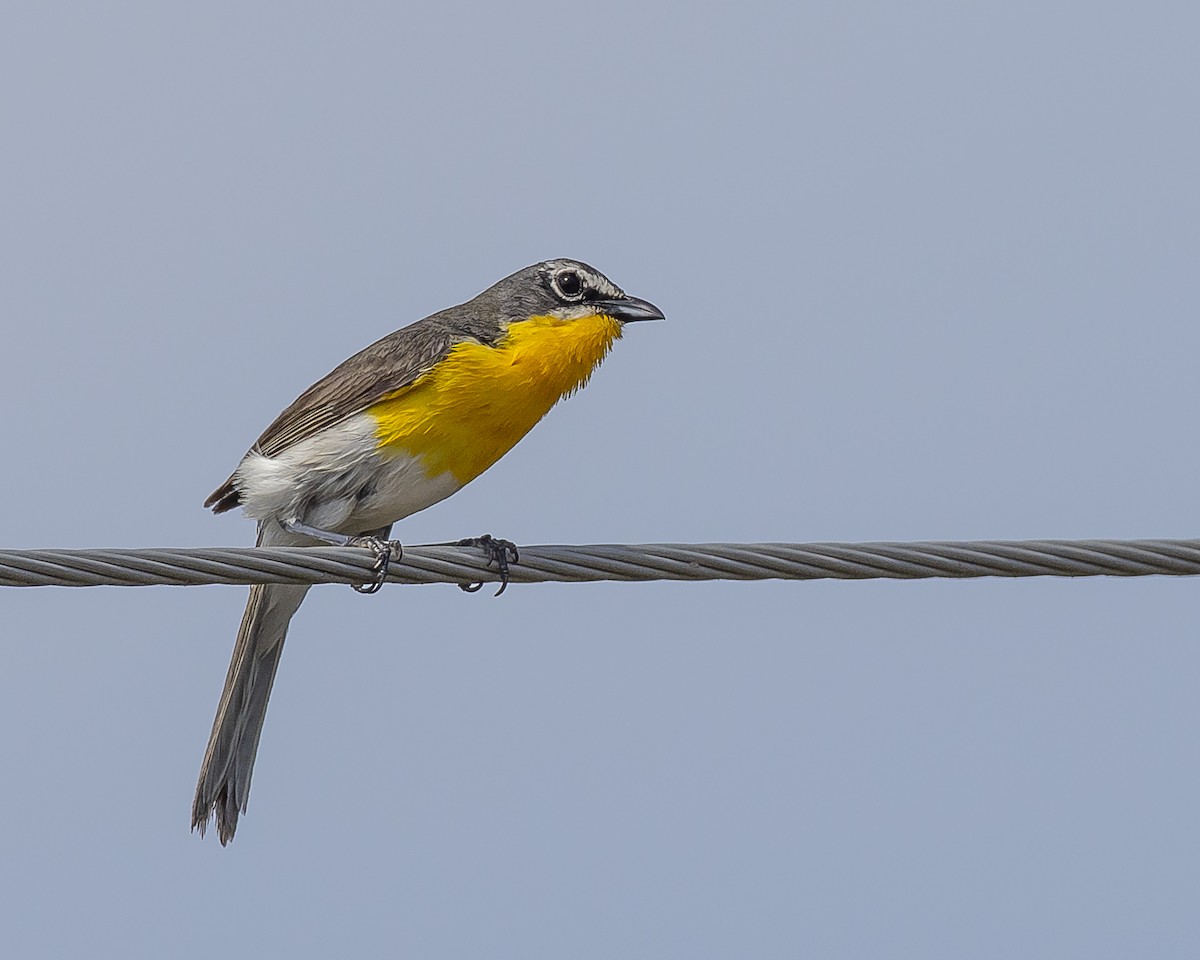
(337, 481)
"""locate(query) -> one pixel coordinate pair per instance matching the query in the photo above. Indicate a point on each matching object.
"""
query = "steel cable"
(622, 562)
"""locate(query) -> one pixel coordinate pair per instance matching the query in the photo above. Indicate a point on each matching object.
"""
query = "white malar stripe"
(337, 480)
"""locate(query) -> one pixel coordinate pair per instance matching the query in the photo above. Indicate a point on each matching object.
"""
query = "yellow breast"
(468, 411)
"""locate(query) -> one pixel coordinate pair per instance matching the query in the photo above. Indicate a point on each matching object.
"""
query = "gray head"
(567, 289)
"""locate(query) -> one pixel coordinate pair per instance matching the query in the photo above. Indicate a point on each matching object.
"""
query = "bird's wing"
(386, 366)
(370, 375)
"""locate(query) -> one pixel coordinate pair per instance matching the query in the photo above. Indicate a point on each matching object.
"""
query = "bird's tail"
(224, 783)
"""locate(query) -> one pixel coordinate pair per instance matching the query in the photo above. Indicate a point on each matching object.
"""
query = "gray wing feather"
(384, 367)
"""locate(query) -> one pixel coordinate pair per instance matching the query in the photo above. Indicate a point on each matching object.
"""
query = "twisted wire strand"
(624, 562)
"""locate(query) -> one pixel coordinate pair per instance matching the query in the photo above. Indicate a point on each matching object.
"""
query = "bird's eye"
(569, 284)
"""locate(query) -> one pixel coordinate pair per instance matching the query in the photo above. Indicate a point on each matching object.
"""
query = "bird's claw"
(497, 551)
(385, 552)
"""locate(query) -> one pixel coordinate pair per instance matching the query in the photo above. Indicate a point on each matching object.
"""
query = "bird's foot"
(376, 541)
(500, 552)
(386, 551)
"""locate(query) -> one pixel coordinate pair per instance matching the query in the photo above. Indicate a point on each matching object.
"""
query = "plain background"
(930, 271)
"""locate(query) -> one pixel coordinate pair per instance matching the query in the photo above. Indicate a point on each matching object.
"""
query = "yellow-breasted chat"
(396, 428)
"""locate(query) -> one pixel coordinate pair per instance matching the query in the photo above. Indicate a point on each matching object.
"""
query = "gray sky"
(930, 271)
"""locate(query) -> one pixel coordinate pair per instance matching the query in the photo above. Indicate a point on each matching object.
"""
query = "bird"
(394, 429)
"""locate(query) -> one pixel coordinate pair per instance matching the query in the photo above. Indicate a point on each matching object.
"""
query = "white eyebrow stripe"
(602, 285)
(592, 278)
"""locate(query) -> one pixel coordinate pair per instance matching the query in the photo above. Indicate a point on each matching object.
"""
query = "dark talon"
(385, 551)
(497, 551)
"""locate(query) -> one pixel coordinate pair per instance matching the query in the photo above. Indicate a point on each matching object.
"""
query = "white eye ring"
(568, 284)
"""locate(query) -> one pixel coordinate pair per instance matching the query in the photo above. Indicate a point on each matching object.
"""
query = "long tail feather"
(224, 784)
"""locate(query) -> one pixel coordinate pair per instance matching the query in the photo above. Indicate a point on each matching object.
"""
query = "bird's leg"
(376, 541)
(500, 552)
